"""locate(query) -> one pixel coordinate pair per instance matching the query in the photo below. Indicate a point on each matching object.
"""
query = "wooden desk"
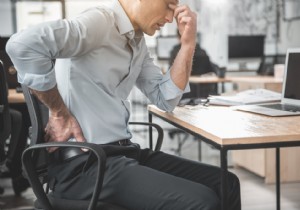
(14, 97)
(262, 161)
(243, 82)
(253, 82)
(205, 80)
(209, 80)
(227, 129)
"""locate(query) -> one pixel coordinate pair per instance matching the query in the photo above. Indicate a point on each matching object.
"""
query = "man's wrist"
(188, 50)
(59, 113)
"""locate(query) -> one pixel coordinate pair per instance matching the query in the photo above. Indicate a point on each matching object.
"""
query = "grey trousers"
(148, 180)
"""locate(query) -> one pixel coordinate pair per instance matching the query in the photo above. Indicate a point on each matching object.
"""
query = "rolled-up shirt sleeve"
(169, 89)
(34, 69)
(33, 50)
(159, 88)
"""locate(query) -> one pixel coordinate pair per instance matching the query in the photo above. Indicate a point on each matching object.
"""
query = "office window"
(34, 12)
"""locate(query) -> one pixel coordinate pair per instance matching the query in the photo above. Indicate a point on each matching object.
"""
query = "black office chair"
(35, 159)
(266, 66)
(5, 120)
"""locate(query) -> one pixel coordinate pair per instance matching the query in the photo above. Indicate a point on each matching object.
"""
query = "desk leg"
(150, 131)
(223, 87)
(277, 178)
(224, 178)
(199, 149)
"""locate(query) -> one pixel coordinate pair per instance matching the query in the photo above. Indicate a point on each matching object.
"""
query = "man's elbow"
(14, 51)
(169, 105)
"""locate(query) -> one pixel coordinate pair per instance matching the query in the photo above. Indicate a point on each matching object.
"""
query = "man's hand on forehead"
(186, 21)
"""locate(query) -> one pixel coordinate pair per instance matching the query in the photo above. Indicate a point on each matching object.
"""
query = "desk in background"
(254, 82)
(209, 80)
(227, 129)
(14, 97)
(243, 82)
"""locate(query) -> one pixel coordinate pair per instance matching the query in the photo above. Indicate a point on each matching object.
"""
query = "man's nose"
(169, 16)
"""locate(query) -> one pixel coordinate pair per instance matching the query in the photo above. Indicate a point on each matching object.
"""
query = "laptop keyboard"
(284, 107)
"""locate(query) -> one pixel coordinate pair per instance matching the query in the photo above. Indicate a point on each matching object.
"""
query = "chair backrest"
(39, 115)
(5, 123)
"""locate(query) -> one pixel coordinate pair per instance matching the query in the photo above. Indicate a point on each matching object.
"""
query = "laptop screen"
(292, 84)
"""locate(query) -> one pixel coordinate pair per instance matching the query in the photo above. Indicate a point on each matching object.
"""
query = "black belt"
(67, 153)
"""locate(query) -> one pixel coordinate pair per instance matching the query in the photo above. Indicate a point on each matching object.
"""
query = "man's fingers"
(172, 6)
(79, 137)
(185, 19)
(180, 9)
(182, 15)
(52, 149)
(46, 137)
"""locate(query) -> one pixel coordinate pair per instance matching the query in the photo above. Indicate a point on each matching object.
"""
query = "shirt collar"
(122, 21)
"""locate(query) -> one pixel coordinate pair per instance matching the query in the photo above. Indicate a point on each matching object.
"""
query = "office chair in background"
(5, 120)
(36, 158)
(266, 66)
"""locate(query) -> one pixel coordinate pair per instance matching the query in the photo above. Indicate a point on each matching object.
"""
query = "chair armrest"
(34, 179)
(159, 131)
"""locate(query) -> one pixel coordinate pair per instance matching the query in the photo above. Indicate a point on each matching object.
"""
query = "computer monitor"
(245, 48)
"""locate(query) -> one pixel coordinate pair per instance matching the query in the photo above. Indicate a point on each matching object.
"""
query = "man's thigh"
(194, 171)
(139, 187)
(188, 169)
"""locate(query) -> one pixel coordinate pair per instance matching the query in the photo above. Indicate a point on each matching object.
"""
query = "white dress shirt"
(99, 58)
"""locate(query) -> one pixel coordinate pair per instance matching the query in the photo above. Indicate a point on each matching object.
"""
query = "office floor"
(256, 195)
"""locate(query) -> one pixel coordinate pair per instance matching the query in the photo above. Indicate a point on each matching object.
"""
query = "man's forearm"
(182, 66)
(53, 100)
(187, 27)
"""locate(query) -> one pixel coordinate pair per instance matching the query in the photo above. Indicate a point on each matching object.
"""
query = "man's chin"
(150, 32)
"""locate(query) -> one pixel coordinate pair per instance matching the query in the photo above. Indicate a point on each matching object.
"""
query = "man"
(101, 55)
(201, 65)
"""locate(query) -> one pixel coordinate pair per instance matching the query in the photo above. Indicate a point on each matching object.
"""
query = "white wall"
(219, 18)
(216, 19)
(31, 13)
(6, 26)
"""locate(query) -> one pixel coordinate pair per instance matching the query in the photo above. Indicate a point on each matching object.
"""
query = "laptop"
(290, 98)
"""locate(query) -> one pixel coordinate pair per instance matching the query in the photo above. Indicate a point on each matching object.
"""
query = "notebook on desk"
(290, 97)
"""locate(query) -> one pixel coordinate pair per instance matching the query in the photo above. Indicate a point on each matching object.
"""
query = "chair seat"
(63, 204)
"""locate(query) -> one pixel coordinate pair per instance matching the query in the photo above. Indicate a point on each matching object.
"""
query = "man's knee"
(209, 202)
(234, 193)
(233, 182)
